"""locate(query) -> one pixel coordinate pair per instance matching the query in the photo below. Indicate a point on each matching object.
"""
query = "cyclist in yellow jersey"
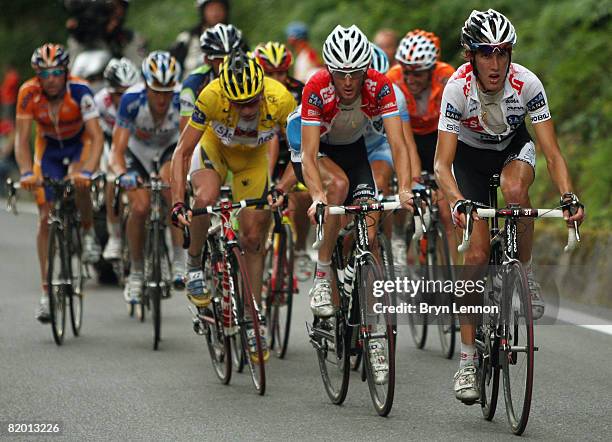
(234, 119)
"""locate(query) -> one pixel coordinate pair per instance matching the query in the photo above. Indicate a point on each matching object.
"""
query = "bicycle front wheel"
(77, 273)
(378, 342)
(248, 316)
(56, 283)
(517, 354)
(441, 267)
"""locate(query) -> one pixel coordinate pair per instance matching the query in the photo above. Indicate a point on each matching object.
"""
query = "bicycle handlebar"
(573, 234)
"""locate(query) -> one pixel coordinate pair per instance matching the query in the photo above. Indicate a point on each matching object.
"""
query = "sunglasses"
(488, 49)
(354, 75)
(51, 73)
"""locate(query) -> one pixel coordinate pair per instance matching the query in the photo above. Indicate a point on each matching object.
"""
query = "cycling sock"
(469, 356)
(114, 230)
(178, 255)
(137, 266)
(323, 270)
(194, 262)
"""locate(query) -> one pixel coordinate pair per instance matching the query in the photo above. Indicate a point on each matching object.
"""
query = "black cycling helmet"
(221, 40)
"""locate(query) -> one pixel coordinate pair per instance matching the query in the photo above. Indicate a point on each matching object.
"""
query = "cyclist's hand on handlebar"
(276, 197)
(312, 210)
(181, 215)
(575, 213)
(129, 180)
(81, 178)
(459, 214)
(29, 181)
(406, 199)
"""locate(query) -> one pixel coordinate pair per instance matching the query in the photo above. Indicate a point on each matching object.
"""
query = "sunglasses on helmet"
(51, 73)
(489, 49)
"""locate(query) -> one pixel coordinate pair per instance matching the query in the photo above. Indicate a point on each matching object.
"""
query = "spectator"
(99, 24)
(307, 61)
(186, 48)
(8, 99)
(387, 40)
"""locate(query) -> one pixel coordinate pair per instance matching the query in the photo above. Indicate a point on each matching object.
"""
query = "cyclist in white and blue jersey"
(147, 129)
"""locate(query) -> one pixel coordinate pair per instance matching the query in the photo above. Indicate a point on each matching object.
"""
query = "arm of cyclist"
(273, 151)
(94, 133)
(121, 135)
(413, 154)
(276, 196)
(443, 163)
(184, 149)
(401, 159)
(310, 169)
(23, 156)
(557, 167)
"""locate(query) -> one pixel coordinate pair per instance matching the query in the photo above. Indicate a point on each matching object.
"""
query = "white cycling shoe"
(321, 298)
(466, 384)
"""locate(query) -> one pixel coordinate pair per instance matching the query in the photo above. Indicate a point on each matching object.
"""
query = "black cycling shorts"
(474, 167)
(353, 160)
(426, 147)
(135, 165)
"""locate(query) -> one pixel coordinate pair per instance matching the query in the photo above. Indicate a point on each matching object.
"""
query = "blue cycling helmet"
(380, 62)
(297, 29)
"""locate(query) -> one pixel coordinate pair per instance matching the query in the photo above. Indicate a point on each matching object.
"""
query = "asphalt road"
(108, 384)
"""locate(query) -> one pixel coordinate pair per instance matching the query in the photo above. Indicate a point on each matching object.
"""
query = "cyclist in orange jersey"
(66, 116)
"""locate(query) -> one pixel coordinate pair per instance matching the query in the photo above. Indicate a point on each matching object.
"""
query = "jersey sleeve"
(188, 95)
(386, 98)
(88, 106)
(204, 106)
(536, 101)
(402, 105)
(24, 102)
(128, 109)
(286, 105)
(452, 108)
(312, 105)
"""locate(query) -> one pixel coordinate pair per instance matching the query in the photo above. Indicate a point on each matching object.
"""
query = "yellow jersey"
(213, 110)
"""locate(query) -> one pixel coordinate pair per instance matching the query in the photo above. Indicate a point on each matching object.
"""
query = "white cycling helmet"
(487, 27)
(220, 40)
(347, 49)
(418, 50)
(380, 62)
(121, 73)
(161, 71)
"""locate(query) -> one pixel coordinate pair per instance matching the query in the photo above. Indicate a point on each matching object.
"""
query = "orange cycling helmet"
(48, 56)
(418, 50)
(274, 57)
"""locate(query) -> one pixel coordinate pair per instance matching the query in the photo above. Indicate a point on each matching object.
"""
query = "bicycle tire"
(154, 285)
(281, 299)
(245, 301)
(417, 322)
(218, 344)
(56, 290)
(386, 256)
(366, 273)
(517, 366)
(77, 279)
(441, 262)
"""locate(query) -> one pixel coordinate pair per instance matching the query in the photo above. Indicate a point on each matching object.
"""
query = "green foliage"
(565, 42)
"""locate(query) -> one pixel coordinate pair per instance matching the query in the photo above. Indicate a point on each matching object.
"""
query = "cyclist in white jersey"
(119, 75)
(482, 132)
(147, 129)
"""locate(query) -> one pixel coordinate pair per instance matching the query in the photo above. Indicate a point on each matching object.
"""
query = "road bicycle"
(505, 335)
(233, 310)
(353, 329)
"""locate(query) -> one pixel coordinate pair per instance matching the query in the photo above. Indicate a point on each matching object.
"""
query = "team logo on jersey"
(516, 83)
(384, 91)
(87, 104)
(198, 116)
(536, 102)
(315, 100)
(515, 120)
(452, 112)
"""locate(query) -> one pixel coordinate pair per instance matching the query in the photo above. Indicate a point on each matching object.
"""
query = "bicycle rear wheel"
(248, 315)
(517, 354)
(378, 343)
(279, 302)
(77, 273)
(56, 283)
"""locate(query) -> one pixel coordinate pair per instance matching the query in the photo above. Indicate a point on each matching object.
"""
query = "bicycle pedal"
(536, 348)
